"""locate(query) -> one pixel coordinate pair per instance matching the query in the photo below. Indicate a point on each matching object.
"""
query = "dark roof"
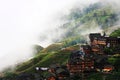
(86, 47)
(112, 38)
(101, 38)
(54, 66)
(77, 53)
(60, 70)
(94, 35)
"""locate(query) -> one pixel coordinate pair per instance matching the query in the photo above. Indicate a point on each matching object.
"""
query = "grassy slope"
(46, 59)
(115, 33)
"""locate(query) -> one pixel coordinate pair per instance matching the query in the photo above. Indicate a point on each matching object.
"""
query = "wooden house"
(98, 42)
(108, 68)
(79, 64)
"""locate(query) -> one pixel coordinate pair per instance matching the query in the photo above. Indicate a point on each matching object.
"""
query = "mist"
(25, 23)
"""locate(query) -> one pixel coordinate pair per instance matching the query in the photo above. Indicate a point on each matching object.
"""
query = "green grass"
(46, 59)
(30, 63)
(116, 33)
(52, 47)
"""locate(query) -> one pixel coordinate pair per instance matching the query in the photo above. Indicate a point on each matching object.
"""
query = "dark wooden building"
(112, 41)
(99, 42)
(79, 63)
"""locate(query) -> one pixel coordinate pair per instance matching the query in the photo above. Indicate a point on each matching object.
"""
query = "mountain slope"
(94, 18)
(46, 59)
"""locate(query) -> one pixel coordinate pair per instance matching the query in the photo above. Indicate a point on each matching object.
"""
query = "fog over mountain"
(25, 23)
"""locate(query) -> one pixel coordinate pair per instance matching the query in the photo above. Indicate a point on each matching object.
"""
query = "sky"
(22, 22)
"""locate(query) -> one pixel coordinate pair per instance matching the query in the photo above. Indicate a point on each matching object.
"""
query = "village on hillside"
(95, 57)
(91, 58)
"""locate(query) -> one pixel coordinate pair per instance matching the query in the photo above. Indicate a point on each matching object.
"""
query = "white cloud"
(23, 21)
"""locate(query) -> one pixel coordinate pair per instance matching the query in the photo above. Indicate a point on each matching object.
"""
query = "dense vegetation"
(116, 33)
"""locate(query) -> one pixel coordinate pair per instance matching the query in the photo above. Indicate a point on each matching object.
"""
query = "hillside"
(46, 59)
(79, 23)
(96, 17)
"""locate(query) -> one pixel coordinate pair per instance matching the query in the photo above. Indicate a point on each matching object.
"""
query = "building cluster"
(90, 58)
(98, 43)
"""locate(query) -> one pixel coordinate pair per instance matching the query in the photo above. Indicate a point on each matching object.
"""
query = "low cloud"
(27, 22)
(23, 22)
